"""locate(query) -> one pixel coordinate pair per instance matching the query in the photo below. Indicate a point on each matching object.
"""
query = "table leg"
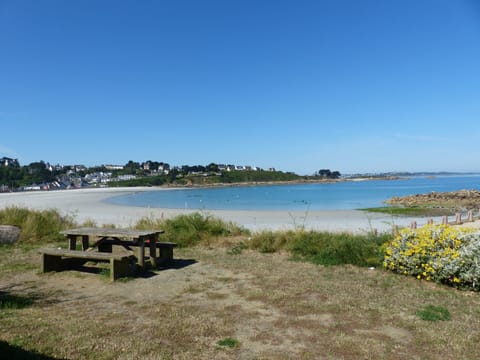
(72, 242)
(141, 255)
(85, 242)
(153, 250)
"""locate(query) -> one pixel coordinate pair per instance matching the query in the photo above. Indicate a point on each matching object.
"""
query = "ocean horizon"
(346, 195)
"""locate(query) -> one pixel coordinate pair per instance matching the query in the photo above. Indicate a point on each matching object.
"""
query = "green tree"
(132, 168)
(212, 167)
(39, 173)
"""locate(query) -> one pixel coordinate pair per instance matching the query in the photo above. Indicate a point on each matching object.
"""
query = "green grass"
(434, 313)
(410, 211)
(323, 247)
(228, 342)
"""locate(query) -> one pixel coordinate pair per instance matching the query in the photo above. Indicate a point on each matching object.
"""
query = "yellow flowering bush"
(440, 253)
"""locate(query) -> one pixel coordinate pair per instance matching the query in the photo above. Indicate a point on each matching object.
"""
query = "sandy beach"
(89, 204)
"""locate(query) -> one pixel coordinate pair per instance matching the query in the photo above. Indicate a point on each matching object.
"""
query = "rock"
(458, 200)
(9, 234)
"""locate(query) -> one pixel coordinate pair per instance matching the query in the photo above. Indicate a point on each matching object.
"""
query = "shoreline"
(89, 204)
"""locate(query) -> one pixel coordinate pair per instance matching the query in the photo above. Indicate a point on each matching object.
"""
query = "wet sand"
(89, 204)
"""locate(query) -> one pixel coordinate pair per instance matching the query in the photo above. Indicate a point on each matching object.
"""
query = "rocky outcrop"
(455, 200)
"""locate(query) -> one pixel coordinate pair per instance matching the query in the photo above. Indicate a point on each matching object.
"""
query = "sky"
(298, 85)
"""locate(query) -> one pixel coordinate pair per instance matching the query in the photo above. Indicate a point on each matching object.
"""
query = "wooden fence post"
(395, 230)
(470, 216)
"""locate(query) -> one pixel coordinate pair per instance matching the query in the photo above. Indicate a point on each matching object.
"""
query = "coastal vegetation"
(193, 229)
(323, 248)
(199, 228)
(37, 226)
(410, 211)
(232, 292)
(439, 253)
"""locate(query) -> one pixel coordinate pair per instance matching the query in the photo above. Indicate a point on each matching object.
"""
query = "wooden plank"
(84, 254)
(135, 243)
(105, 232)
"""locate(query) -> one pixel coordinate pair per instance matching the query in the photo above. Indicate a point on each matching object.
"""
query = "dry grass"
(269, 306)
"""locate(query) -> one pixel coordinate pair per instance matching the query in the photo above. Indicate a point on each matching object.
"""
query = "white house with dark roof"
(6, 161)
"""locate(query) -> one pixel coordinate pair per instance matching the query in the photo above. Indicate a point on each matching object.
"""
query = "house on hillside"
(113, 167)
(6, 161)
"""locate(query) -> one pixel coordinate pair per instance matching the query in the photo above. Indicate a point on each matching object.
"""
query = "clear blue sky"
(350, 85)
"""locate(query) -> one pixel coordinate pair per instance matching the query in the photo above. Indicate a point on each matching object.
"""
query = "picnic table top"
(120, 233)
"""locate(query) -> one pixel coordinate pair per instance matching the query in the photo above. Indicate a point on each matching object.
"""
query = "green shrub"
(36, 225)
(192, 229)
(438, 253)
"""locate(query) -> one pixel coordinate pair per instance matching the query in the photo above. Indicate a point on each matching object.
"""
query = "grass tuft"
(228, 342)
(434, 313)
(237, 249)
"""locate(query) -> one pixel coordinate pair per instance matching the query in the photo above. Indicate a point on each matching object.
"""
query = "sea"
(346, 195)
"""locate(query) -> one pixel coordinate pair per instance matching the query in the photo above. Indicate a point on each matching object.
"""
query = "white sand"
(88, 204)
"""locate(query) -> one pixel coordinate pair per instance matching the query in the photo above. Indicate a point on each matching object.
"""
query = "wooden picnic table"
(102, 239)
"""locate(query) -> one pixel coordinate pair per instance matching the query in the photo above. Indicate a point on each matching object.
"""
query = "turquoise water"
(336, 196)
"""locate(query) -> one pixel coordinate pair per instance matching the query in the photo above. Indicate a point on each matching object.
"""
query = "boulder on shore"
(9, 234)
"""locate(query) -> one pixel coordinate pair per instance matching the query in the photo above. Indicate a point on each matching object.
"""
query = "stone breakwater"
(460, 200)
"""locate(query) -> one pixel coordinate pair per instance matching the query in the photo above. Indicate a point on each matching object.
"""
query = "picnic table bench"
(97, 245)
(121, 265)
